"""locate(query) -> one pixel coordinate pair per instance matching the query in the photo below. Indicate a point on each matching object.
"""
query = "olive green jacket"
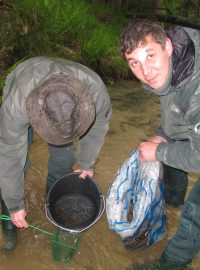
(180, 103)
(14, 122)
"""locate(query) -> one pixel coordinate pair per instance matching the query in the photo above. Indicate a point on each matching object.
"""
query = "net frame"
(64, 245)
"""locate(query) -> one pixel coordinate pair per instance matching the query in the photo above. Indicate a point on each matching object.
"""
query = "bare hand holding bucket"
(84, 173)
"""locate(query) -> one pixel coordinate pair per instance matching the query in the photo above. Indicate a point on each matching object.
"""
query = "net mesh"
(64, 245)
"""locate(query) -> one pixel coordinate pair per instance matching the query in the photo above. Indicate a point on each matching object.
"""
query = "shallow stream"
(136, 115)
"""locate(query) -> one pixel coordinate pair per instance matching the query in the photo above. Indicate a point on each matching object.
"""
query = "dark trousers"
(185, 244)
(175, 182)
(61, 159)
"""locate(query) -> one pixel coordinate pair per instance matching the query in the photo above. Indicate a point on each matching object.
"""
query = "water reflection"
(135, 117)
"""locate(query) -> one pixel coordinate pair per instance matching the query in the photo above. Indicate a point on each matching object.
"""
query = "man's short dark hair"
(135, 34)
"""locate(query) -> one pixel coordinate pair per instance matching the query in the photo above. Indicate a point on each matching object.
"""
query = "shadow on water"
(136, 116)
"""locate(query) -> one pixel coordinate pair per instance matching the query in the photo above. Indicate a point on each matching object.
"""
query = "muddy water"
(135, 118)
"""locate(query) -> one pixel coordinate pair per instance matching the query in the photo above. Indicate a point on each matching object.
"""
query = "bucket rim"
(100, 212)
(71, 174)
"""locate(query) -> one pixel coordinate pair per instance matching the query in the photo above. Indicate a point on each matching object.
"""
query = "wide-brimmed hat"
(61, 109)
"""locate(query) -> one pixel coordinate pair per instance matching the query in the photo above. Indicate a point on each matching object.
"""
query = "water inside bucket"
(74, 211)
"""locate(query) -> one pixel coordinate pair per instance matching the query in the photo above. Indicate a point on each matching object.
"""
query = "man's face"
(150, 62)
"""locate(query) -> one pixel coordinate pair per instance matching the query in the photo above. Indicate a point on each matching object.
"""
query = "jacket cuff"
(85, 166)
(13, 209)
(161, 151)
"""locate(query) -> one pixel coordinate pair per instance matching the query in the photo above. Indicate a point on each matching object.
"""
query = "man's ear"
(168, 46)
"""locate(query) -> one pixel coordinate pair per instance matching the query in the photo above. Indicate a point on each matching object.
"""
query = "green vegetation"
(72, 29)
(77, 30)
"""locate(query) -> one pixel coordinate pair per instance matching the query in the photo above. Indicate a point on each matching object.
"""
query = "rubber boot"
(9, 231)
(175, 182)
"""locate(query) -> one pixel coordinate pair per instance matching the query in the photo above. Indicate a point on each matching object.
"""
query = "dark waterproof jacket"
(14, 122)
(180, 103)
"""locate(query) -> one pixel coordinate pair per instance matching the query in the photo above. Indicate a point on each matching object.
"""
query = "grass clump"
(72, 29)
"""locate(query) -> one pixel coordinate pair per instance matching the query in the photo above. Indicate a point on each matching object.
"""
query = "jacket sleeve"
(13, 152)
(184, 154)
(91, 143)
(160, 132)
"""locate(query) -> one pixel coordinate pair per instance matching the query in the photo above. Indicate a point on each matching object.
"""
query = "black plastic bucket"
(74, 204)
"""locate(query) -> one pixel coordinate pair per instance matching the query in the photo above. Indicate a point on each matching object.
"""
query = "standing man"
(62, 101)
(168, 64)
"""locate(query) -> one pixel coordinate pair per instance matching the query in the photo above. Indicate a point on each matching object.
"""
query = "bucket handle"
(77, 231)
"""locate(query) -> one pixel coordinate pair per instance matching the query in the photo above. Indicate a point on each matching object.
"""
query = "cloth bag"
(135, 205)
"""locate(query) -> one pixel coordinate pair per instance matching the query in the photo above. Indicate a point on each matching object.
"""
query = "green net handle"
(59, 246)
(4, 217)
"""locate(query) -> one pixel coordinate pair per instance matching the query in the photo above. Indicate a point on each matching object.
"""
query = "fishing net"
(64, 245)
(71, 211)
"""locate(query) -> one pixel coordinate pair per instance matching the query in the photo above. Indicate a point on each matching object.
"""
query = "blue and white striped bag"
(137, 191)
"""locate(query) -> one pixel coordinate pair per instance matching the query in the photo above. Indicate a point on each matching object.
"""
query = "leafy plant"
(63, 28)
(172, 7)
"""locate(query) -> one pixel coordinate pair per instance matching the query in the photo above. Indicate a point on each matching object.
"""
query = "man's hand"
(157, 139)
(84, 173)
(18, 218)
(147, 151)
